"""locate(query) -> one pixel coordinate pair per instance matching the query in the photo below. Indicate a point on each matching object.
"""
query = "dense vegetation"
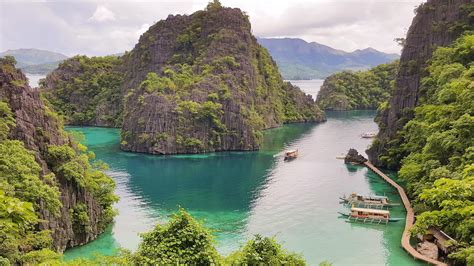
(87, 90)
(358, 90)
(21, 189)
(437, 147)
(185, 241)
(28, 192)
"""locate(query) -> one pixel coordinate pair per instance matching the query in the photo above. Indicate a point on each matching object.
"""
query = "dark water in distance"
(239, 194)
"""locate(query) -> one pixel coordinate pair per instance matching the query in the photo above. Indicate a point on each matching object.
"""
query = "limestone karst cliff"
(437, 23)
(193, 83)
(71, 198)
(202, 83)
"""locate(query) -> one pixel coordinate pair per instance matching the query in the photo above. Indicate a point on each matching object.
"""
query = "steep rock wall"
(437, 23)
(38, 127)
(202, 83)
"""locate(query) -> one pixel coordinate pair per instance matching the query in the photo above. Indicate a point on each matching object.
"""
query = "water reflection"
(239, 194)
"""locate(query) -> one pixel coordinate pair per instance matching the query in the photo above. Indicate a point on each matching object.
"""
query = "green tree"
(183, 240)
(437, 147)
(264, 251)
(348, 90)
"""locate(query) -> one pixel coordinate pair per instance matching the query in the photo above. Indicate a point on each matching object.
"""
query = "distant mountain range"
(35, 61)
(298, 59)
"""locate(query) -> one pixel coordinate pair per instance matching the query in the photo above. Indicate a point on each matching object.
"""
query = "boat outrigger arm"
(368, 219)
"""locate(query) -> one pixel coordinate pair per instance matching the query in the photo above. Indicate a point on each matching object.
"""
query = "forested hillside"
(427, 127)
(51, 196)
(437, 147)
(298, 59)
(87, 91)
(358, 90)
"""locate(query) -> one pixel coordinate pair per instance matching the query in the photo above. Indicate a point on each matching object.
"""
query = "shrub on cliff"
(31, 174)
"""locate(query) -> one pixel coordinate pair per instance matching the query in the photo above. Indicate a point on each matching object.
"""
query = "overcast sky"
(98, 27)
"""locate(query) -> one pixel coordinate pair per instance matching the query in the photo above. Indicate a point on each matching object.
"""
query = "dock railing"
(410, 219)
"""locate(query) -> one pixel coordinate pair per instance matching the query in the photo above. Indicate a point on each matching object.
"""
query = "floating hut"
(444, 242)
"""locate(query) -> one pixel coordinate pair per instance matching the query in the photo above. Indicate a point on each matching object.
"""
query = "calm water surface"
(311, 86)
(33, 79)
(240, 194)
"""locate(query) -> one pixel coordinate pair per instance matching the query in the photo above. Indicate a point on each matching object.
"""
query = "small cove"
(239, 194)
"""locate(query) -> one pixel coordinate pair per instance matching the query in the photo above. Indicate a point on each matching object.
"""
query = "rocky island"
(193, 83)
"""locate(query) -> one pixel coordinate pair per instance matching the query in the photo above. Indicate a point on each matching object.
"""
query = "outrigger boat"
(368, 135)
(368, 201)
(290, 155)
(369, 216)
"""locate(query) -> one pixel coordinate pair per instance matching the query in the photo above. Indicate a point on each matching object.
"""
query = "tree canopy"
(438, 147)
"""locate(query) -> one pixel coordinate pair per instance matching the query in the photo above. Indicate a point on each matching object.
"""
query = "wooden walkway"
(409, 220)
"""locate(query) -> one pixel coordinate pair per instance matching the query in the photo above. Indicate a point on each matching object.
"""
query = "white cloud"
(142, 29)
(100, 27)
(102, 14)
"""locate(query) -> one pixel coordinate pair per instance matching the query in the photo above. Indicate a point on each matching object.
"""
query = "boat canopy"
(370, 210)
(376, 197)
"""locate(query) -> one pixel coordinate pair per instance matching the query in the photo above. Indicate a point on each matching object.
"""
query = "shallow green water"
(243, 193)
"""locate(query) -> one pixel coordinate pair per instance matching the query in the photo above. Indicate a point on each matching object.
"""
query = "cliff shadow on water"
(239, 194)
(216, 187)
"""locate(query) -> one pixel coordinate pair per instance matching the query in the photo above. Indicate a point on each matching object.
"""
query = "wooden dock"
(409, 220)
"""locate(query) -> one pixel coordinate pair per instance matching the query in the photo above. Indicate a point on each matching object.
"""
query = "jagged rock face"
(37, 127)
(197, 83)
(202, 83)
(437, 23)
(353, 156)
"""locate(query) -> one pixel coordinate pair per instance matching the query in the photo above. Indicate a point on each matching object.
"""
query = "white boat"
(290, 155)
(369, 135)
(372, 201)
(365, 215)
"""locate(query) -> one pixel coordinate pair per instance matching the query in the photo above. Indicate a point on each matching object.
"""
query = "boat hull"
(368, 204)
(368, 219)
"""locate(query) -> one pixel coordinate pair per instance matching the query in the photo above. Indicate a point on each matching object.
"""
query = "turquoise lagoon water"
(239, 194)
